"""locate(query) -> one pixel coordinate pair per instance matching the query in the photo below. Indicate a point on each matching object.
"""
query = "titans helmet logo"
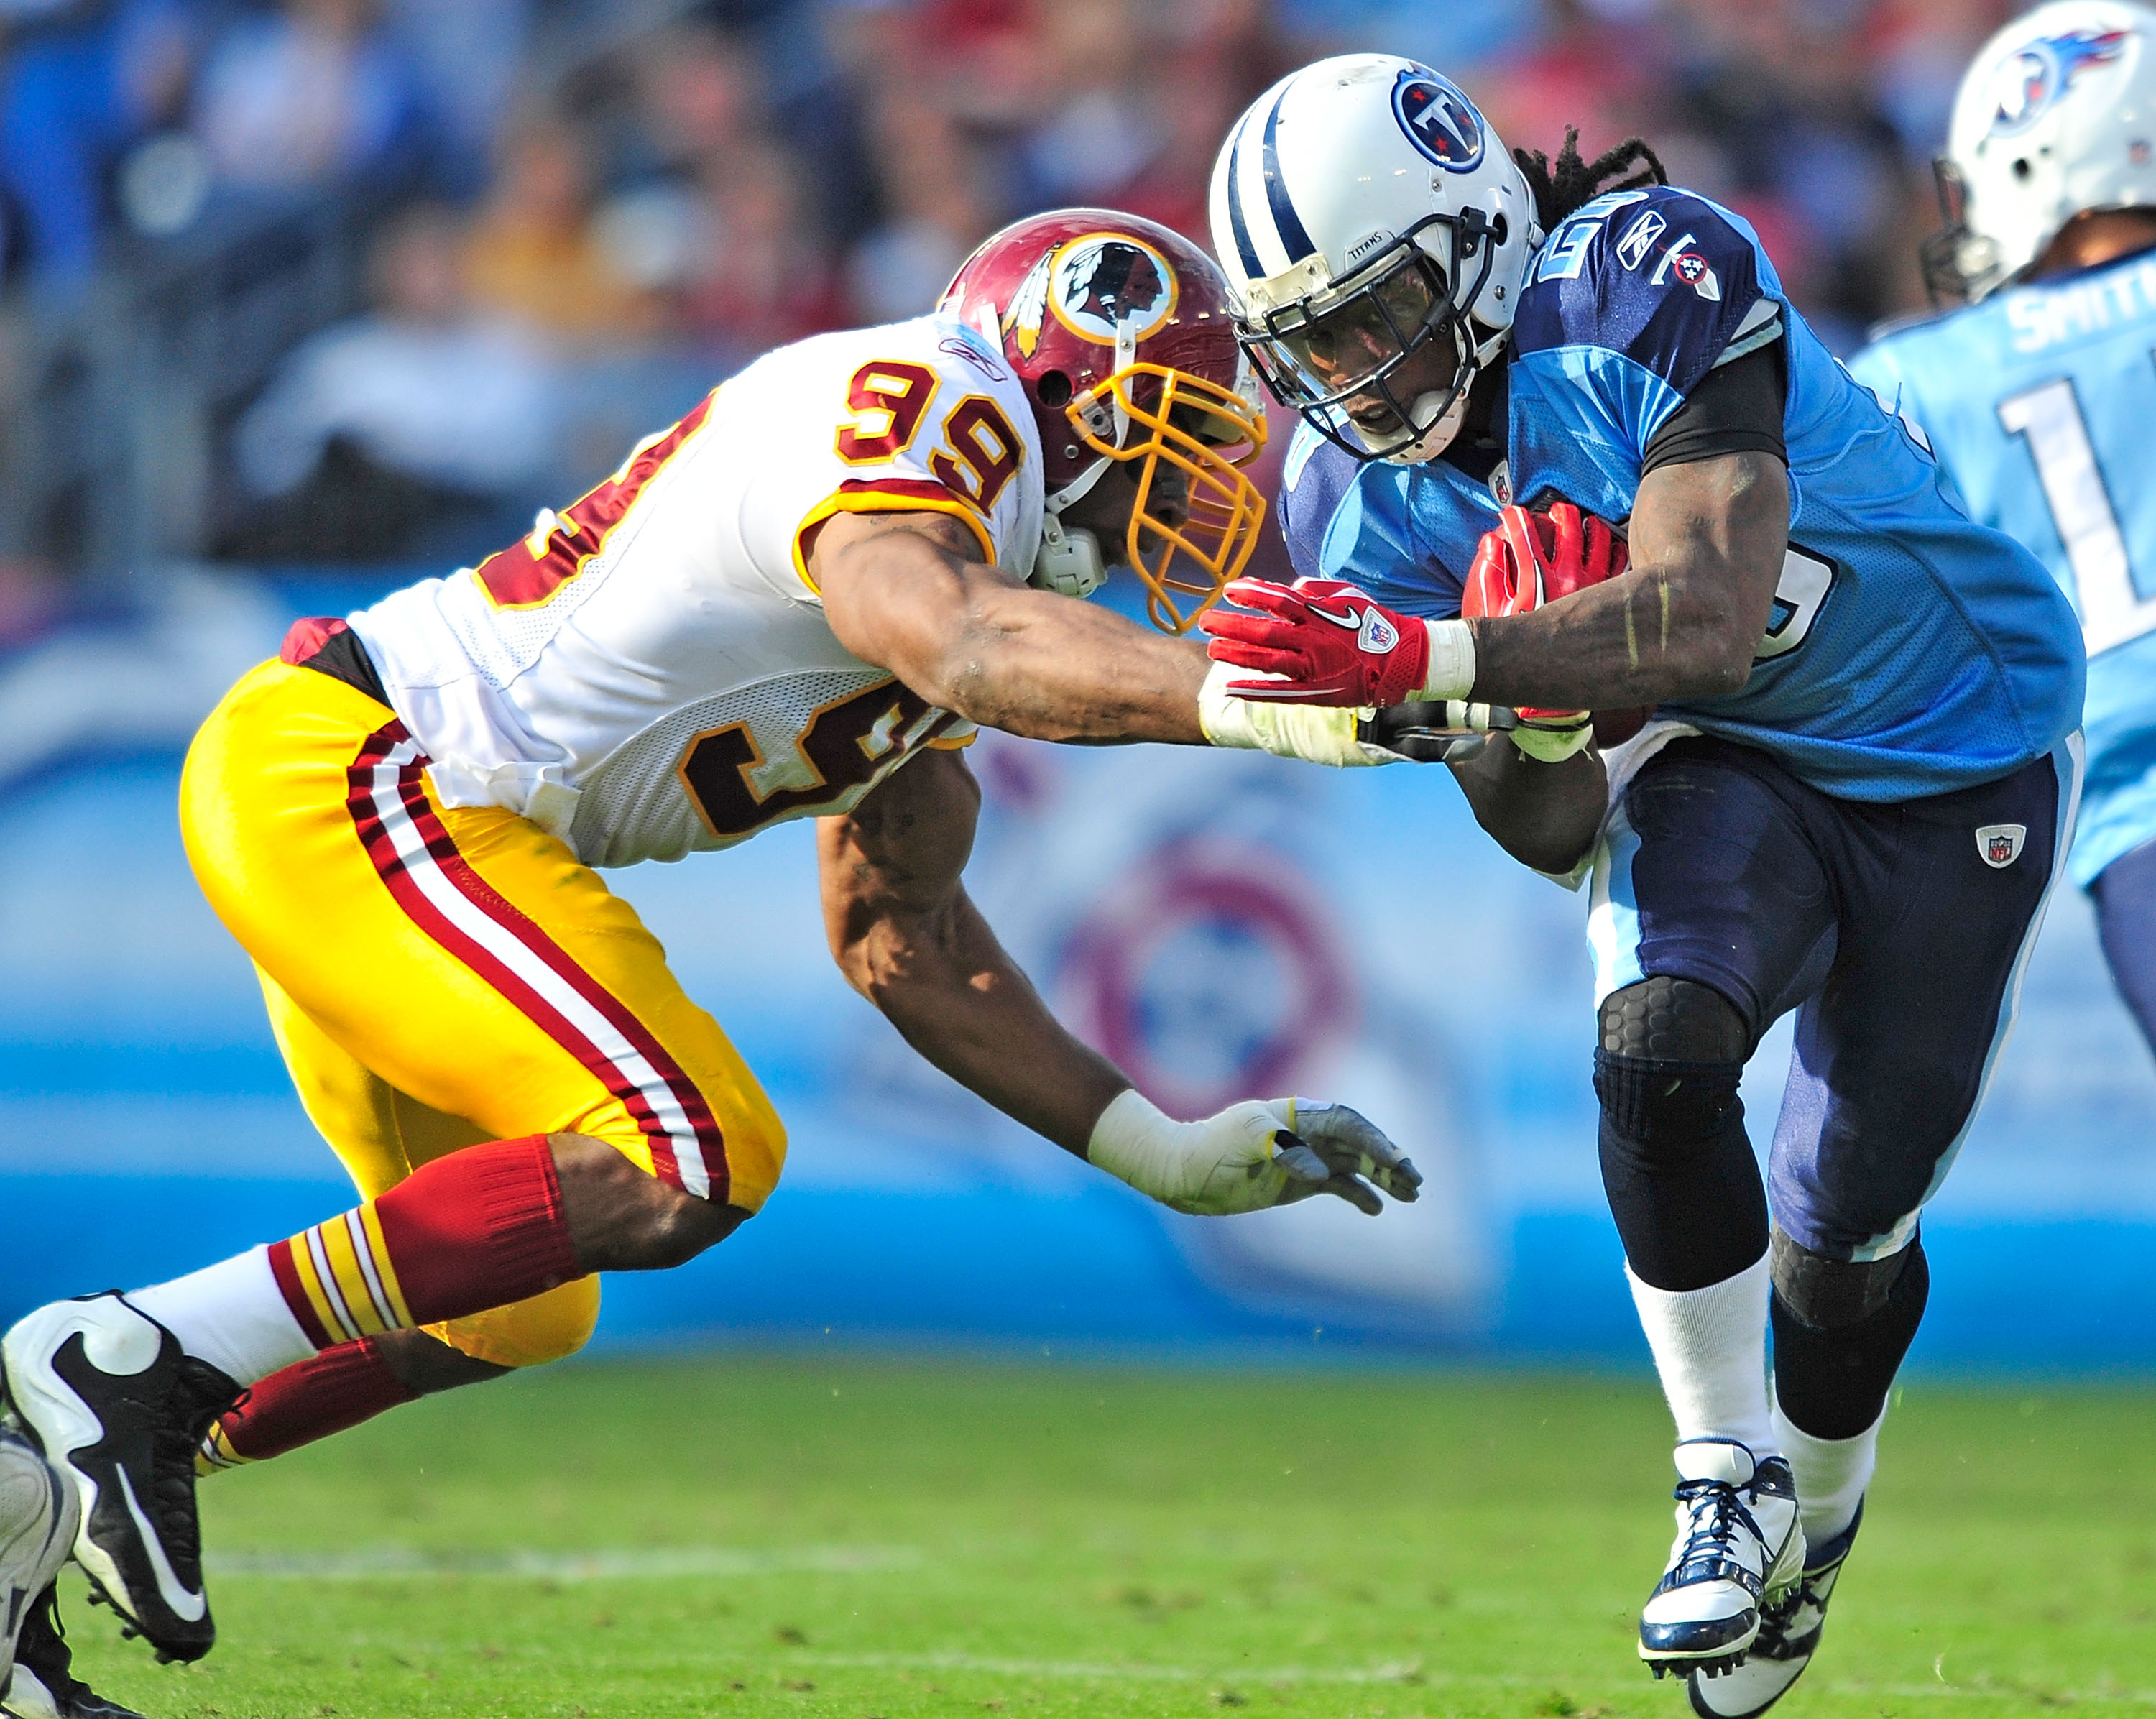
(1103, 282)
(1439, 122)
(2030, 80)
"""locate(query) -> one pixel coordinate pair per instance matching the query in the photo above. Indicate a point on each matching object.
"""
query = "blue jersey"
(2039, 403)
(1406, 534)
(1911, 651)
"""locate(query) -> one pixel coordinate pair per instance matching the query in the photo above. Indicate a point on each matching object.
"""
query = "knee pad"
(1666, 1070)
(1675, 1020)
(1829, 1295)
(528, 1333)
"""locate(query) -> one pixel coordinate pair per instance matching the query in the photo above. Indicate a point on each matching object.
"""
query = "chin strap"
(1433, 441)
(1070, 562)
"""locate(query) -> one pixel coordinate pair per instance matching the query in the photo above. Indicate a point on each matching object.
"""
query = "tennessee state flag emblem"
(2000, 844)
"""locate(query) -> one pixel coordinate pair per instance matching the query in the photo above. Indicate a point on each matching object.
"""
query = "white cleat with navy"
(1789, 1629)
(1738, 1546)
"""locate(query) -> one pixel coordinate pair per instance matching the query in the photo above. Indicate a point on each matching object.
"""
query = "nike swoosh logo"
(1353, 623)
(192, 1607)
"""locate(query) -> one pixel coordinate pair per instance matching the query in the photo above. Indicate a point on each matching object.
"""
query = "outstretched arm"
(908, 593)
(908, 938)
(1707, 542)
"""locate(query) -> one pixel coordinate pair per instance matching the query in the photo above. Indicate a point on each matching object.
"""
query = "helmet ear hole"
(1053, 389)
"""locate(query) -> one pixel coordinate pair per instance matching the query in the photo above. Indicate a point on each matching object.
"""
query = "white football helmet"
(2056, 115)
(1362, 207)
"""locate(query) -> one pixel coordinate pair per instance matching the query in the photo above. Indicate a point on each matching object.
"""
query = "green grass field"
(754, 1536)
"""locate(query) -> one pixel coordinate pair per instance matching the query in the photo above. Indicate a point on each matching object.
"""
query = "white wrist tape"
(1140, 1143)
(1451, 673)
(1317, 734)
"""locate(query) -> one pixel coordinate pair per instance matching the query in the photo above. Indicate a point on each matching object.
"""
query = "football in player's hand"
(1535, 556)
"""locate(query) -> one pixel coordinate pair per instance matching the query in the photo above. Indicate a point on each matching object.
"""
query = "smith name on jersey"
(650, 673)
(2038, 402)
(1911, 651)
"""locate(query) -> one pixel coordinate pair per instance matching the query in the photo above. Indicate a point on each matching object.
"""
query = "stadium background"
(306, 300)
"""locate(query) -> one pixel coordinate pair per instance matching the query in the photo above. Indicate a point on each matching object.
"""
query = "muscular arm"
(1707, 541)
(907, 591)
(907, 938)
(1544, 815)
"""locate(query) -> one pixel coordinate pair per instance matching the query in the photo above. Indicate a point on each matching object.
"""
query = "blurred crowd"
(577, 204)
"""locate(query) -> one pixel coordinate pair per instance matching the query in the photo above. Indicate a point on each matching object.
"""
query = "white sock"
(1831, 1473)
(232, 1314)
(1711, 1349)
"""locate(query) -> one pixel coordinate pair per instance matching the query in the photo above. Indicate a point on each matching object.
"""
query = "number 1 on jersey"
(2113, 610)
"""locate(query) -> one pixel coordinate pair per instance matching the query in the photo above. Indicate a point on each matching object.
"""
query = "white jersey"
(650, 672)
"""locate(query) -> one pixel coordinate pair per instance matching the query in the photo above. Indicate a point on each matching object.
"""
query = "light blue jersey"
(2040, 403)
(1911, 651)
(1406, 534)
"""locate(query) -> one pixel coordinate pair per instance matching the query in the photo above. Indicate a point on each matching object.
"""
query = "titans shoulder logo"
(1440, 120)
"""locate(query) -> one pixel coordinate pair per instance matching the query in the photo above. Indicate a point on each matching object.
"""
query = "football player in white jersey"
(833, 568)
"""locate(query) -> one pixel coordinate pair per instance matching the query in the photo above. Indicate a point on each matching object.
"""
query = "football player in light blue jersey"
(2038, 397)
(1853, 798)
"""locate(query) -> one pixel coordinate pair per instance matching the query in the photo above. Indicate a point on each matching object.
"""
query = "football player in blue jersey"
(2038, 397)
(1851, 800)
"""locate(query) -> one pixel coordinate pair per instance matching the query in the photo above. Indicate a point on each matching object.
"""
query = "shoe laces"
(1717, 1514)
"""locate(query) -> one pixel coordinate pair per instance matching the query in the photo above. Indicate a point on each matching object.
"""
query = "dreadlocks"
(1571, 184)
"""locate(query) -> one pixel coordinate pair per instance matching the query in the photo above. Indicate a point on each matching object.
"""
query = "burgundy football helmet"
(1120, 331)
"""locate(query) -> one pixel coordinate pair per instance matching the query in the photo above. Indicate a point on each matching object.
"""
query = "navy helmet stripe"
(1293, 239)
(1236, 222)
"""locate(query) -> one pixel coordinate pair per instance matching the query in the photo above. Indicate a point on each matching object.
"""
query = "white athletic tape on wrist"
(1173, 1162)
(1317, 734)
(1138, 1143)
(1451, 671)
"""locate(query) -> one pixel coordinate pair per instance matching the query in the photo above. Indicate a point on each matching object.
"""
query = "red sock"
(479, 1228)
(308, 1400)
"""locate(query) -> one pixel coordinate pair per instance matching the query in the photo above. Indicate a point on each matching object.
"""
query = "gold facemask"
(1195, 439)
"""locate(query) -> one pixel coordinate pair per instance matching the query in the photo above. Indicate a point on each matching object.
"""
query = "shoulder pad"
(1660, 276)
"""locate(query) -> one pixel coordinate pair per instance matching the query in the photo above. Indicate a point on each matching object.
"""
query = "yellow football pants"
(440, 977)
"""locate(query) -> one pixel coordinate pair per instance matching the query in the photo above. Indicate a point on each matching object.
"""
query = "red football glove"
(1335, 644)
(1531, 559)
(1534, 558)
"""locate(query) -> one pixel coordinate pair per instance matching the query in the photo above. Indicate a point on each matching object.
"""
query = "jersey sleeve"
(1636, 298)
(920, 417)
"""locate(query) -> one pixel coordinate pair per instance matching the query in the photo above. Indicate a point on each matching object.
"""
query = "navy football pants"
(2125, 892)
(1899, 930)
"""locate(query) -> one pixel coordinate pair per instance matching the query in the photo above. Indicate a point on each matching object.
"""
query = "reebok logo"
(2000, 844)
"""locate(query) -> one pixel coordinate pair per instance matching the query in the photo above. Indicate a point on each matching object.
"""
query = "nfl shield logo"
(2000, 844)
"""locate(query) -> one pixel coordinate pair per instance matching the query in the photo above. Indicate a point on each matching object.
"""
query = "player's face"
(1106, 508)
(1351, 345)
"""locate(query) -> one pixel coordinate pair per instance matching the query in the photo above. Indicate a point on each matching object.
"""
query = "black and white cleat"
(39, 1515)
(109, 1396)
(1738, 1545)
(1789, 1629)
(45, 1686)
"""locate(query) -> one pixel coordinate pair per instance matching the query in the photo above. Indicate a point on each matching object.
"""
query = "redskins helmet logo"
(1440, 120)
(1102, 283)
(2030, 80)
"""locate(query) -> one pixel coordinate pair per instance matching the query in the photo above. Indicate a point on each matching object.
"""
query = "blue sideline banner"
(1222, 924)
